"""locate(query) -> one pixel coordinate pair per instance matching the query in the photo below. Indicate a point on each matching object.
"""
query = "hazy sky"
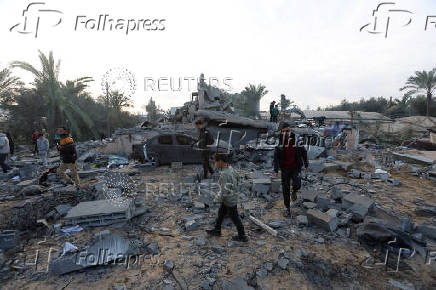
(312, 51)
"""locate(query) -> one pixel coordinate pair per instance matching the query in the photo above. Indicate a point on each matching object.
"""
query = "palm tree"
(422, 82)
(8, 83)
(253, 94)
(59, 97)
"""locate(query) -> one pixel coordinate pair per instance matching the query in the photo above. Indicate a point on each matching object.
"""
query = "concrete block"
(309, 204)
(353, 198)
(323, 202)
(309, 195)
(322, 220)
(302, 221)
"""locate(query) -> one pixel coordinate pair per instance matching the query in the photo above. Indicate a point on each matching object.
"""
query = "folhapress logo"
(37, 17)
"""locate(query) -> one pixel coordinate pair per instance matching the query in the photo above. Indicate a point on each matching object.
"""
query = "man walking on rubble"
(4, 152)
(204, 140)
(271, 109)
(290, 158)
(68, 155)
(227, 196)
(43, 147)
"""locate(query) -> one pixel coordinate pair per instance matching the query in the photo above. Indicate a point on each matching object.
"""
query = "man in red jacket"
(290, 158)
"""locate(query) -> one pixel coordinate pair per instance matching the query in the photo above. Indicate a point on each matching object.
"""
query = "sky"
(312, 51)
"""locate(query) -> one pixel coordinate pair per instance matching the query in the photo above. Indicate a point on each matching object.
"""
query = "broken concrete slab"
(426, 210)
(350, 199)
(8, 239)
(101, 212)
(322, 220)
(323, 202)
(236, 284)
(31, 190)
(359, 212)
(101, 252)
(309, 195)
(309, 205)
(302, 221)
(427, 230)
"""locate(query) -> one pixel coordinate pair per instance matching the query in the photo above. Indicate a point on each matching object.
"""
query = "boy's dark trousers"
(287, 175)
(4, 166)
(206, 165)
(233, 213)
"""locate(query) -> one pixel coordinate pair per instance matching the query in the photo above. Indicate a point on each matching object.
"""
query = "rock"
(426, 210)
(236, 284)
(260, 189)
(302, 221)
(31, 190)
(8, 239)
(353, 198)
(276, 224)
(218, 249)
(356, 173)
(393, 182)
(191, 225)
(205, 285)
(262, 273)
(336, 193)
(200, 241)
(309, 205)
(168, 266)
(320, 240)
(276, 185)
(269, 266)
(283, 263)
(332, 212)
(322, 220)
(309, 195)
(427, 230)
(153, 248)
(406, 225)
(373, 233)
(359, 212)
(323, 202)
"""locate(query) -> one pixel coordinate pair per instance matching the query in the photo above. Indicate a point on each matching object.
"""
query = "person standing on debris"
(227, 196)
(204, 140)
(11, 143)
(43, 148)
(276, 113)
(68, 155)
(271, 109)
(34, 141)
(289, 157)
(4, 152)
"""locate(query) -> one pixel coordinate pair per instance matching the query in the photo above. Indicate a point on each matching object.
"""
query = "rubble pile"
(138, 225)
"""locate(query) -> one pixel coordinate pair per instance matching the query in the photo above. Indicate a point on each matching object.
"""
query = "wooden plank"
(263, 226)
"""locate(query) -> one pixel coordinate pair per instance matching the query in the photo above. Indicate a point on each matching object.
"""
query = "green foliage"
(247, 102)
(422, 82)
(51, 103)
(152, 111)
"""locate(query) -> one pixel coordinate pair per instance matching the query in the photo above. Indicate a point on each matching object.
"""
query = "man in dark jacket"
(68, 155)
(205, 138)
(289, 157)
(271, 109)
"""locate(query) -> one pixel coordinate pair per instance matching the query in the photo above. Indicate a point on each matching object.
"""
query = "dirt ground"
(336, 262)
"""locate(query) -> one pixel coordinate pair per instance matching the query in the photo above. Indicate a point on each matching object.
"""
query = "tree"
(253, 94)
(152, 110)
(422, 82)
(9, 84)
(59, 97)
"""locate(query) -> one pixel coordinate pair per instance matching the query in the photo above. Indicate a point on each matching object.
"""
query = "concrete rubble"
(352, 205)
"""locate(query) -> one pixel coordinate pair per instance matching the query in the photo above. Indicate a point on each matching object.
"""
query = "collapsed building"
(365, 217)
